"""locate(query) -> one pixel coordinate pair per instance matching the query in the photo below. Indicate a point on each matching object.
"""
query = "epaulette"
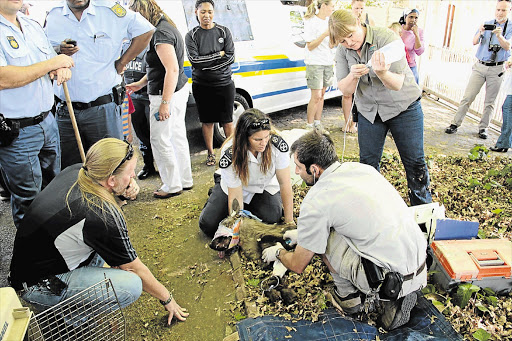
(227, 158)
(279, 143)
(118, 10)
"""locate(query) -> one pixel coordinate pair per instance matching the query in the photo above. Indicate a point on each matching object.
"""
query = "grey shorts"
(319, 76)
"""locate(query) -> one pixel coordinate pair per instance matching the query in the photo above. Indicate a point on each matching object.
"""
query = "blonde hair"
(339, 23)
(150, 10)
(101, 162)
(395, 27)
(315, 4)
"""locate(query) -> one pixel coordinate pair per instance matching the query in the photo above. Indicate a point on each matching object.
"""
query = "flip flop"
(164, 195)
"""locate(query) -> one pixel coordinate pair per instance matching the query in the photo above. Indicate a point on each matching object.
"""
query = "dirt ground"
(166, 235)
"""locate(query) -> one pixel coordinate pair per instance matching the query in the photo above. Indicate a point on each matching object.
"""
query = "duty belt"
(490, 64)
(29, 121)
(412, 275)
(97, 102)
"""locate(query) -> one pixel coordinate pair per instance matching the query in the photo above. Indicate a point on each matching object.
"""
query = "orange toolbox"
(483, 262)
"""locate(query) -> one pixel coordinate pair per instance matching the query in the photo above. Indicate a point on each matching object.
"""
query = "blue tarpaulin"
(426, 323)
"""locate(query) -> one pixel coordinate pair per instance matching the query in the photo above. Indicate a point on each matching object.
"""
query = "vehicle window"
(297, 22)
(229, 13)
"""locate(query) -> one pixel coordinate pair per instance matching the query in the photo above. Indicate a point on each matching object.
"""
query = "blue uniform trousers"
(32, 159)
(94, 124)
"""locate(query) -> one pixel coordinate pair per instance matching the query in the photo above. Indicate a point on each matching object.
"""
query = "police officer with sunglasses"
(254, 169)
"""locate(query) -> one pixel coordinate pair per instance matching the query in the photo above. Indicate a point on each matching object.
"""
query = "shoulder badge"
(226, 158)
(12, 41)
(280, 143)
(118, 10)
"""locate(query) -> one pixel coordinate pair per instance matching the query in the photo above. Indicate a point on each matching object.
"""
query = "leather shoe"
(482, 133)
(146, 172)
(499, 150)
(451, 129)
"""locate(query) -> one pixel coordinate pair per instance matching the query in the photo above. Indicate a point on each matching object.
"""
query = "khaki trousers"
(481, 74)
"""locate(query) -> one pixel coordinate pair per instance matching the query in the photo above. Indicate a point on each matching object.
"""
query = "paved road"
(437, 117)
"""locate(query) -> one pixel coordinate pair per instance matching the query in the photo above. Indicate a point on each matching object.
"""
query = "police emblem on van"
(14, 44)
(221, 40)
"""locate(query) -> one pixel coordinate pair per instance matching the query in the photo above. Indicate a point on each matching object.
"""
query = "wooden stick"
(73, 121)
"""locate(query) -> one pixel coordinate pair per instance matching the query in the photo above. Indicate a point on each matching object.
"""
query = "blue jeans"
(31, 161)
(127, 285)
(414, 70)
(94, 124)
(407, 130)
(505, 139)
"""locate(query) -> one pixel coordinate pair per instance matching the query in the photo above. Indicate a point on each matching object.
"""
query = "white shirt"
(258, 181)
(322, 54)
(100, 33)
(23, 48)
(361, 205)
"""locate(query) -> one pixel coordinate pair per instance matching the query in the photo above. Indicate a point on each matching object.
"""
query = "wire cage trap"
(92, 314)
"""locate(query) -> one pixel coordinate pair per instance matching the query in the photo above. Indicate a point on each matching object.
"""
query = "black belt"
(490, 64)
(411, 275)
(98, 101)
(29, 121)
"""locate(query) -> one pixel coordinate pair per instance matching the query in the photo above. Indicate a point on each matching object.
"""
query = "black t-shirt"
(54, 238)
(165, 33)
(203, 49)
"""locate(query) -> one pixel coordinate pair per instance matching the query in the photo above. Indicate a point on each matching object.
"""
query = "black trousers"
(140, 123)
(267, 207)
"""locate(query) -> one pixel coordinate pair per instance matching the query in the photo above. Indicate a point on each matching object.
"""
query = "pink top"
(409, 40)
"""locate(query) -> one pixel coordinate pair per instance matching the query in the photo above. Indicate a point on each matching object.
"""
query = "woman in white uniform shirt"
(254, 170)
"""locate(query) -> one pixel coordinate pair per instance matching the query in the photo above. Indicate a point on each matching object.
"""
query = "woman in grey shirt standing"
(386, 95)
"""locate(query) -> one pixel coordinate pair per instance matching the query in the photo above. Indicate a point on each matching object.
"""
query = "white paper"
(393, 52)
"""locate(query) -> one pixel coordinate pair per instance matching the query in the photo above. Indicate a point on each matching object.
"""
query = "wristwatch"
(278, 253)
(168, 300)
(166, 102)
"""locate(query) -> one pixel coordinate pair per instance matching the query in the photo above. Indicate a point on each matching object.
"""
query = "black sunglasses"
(128, 156)
(263, 124)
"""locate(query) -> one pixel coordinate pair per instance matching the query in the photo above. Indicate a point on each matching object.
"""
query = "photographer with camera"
(357, 221)
(494, 39)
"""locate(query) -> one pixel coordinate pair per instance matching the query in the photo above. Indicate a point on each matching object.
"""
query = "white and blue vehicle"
(269, 70)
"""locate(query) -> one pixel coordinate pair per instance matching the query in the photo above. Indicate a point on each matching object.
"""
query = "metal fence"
(445, 72)
(93, 314)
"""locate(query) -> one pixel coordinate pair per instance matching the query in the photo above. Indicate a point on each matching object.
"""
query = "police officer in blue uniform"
(92, 32)
(29, 137)
(135, 70)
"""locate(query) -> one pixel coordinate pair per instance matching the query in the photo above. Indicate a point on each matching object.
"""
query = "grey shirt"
(371, 95)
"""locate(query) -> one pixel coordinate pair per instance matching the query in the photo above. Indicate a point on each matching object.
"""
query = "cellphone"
(71, 42)
(157, 116)
(489, 27)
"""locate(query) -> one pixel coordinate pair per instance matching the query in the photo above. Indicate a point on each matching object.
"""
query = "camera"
(489, 27)
(494, 47)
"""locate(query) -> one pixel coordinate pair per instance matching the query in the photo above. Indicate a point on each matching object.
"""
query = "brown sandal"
(210, 160)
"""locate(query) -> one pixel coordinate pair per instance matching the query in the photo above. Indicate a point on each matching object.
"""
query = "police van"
(269, 70)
